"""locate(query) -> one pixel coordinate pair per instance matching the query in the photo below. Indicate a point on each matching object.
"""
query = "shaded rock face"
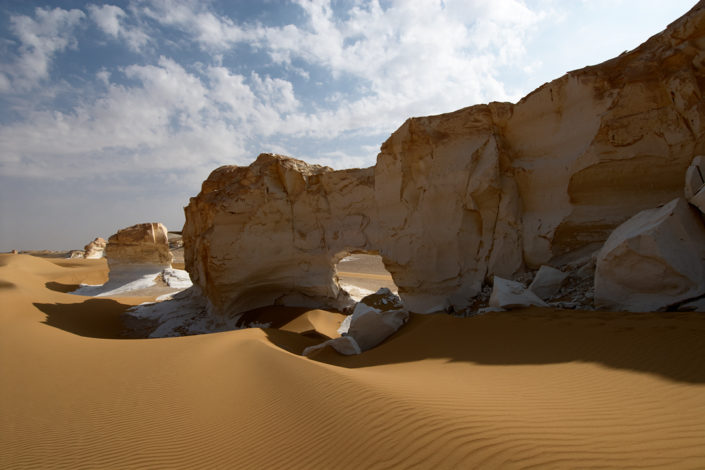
(458, 198)
(653, 260)
(139, 244)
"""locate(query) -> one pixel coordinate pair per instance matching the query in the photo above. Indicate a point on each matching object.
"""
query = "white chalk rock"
(375, 318)
(95, 249)
(695, 177)
(548, 282)
(511, 294)
(695, 183)
(653, 260)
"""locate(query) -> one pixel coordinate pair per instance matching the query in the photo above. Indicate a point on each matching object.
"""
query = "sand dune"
(534, 388)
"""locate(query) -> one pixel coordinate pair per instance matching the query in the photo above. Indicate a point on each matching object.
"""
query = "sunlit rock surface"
(455, 199)
(95, 249)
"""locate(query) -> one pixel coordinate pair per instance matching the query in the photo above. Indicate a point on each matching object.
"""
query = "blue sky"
(113, 113)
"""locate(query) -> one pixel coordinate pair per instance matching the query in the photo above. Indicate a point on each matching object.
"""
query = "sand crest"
(524, 389)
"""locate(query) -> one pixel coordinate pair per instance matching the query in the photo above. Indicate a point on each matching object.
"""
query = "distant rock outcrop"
(455, 199)
(95, 249)
(138, 256)
(139, 244)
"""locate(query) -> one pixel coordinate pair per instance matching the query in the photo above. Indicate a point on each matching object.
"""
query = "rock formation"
(136, 255)
(455, 199)
(653, 260)
(95, 249)
(139, 244)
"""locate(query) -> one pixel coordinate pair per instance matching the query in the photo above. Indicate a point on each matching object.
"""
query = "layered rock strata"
(455, 199)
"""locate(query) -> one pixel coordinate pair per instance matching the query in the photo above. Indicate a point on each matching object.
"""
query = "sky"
(113, 114)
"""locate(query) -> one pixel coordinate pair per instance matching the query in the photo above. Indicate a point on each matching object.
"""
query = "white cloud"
(211, 31)
(412, 58)
(165, 123)
(41, 37)
(110, 19)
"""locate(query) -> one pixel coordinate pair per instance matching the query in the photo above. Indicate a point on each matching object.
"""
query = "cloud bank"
(129, 98)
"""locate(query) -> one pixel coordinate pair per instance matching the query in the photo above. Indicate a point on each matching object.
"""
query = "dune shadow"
(669, 345)
(93, 318)
(6, 284)
(59, 287)
(275, 316)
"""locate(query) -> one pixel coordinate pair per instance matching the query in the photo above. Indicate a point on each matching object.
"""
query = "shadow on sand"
(59, 287)
(670, 345)
(94, 318)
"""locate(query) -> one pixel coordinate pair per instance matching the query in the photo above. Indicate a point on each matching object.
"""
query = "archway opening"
(363, 273)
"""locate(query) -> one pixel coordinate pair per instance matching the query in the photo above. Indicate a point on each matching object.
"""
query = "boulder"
(374, 319)
(457, 198)
(652, 261)
(695, 183)
(547, 282)
(508, 294)
(95, 249)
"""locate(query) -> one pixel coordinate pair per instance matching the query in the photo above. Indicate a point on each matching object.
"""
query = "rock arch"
(457, 198)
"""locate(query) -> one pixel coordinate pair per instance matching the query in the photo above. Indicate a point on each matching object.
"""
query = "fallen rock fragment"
(695, 183)
(653, 260)
(548, 282)
(375, 318)
(508, 294)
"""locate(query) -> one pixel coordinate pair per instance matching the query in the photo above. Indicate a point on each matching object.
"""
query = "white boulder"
(548, 282)
(375, 318)
(695, 183)
(508, 294)
(653, 260)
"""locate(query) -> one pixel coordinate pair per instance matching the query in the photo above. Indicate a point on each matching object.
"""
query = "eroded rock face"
(139, 244)
(458, 198)
(271, 233)
(653, 260)
(95, 249)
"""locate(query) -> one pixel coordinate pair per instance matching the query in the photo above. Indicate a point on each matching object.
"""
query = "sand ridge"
(526, 389)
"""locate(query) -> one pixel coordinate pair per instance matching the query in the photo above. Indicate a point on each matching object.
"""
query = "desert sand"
(522, 389)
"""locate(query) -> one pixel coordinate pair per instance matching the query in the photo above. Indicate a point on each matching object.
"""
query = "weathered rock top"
(145, 243)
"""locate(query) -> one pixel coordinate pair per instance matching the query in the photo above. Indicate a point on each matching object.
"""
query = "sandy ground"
(527, 389)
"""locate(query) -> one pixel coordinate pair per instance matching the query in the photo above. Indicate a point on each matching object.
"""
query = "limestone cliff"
(458, 198)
